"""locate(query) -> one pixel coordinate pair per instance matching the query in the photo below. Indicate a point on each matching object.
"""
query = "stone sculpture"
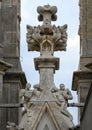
(66, 93)
(36, 92)
(25, 95)
(46, 105)
(62, 96)
(55, 36)
(29, 96)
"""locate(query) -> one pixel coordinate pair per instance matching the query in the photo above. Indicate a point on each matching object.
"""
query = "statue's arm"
(70, 96)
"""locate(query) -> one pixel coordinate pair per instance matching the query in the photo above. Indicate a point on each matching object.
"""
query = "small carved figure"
(46, 47)
(36, 92)
(55, 94)
(62, 96)
(66, 93)
(66, 96)
(25, 95)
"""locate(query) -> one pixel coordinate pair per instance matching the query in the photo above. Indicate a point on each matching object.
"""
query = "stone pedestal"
(46, 67)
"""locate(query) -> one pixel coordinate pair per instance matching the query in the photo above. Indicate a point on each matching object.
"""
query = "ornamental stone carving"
(47, 36)
(25, 95)
(28, 96)
(45, 106)
(62, 96)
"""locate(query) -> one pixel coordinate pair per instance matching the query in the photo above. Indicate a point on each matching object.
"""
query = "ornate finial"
(47, 38)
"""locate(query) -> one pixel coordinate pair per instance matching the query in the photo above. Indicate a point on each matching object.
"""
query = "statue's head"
(62, 87)
(28, 86)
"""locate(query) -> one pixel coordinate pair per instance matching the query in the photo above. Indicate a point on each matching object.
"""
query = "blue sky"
(68, 13)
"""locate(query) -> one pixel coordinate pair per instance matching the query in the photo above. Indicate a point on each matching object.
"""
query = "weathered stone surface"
(89, 65)
(47, 13)
(45, 107)
(14, 78)
(83, 62)
(37, 38)
(9, 38)
(81, 83)
(85, 27)
(47, 38)
(4, 66)
(86, 117)
(83, 78)
(1, 52)
(12, 126)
